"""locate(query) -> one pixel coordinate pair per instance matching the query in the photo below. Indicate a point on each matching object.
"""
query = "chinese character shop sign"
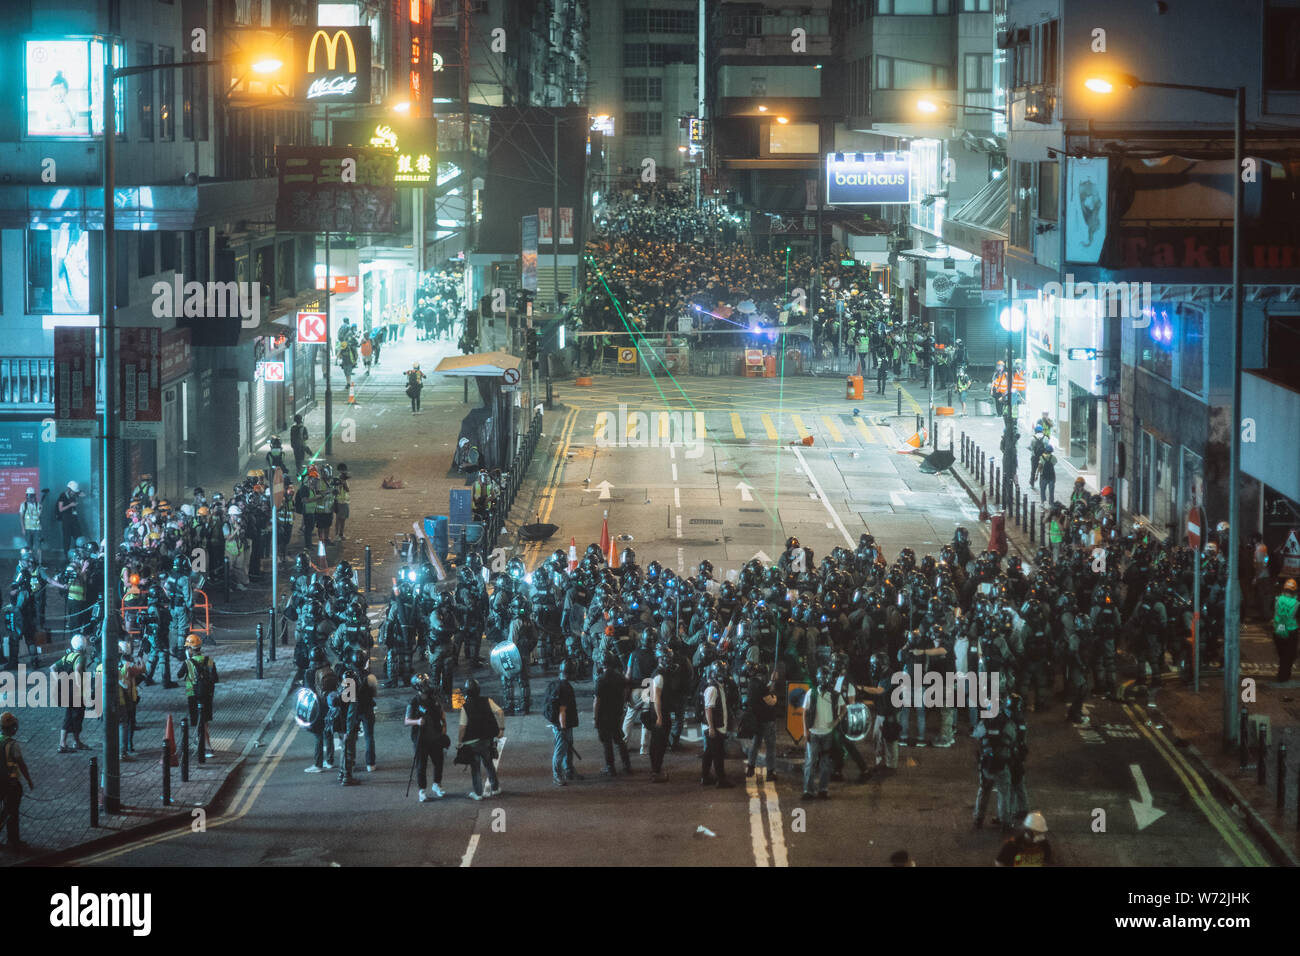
(336, 189)
(139, 401)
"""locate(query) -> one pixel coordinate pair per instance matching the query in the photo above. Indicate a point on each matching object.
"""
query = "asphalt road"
(734, 489)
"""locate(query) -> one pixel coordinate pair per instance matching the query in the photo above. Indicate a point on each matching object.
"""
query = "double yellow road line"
(1240, 844)
(534, 550)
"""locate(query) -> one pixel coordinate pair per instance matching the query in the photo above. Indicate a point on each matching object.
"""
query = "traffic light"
(532, 346)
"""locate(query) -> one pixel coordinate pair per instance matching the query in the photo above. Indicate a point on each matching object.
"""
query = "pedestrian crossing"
(642, 426)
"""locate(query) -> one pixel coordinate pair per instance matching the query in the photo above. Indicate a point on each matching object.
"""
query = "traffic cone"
(352, 395)
(169, 744)
(604, 534)
(613, 557)
(573, 555)
(984, 506)
(913, 443)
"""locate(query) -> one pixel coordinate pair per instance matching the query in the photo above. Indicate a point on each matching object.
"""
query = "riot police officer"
(997, 741)
(180, 593)
(322, 681)
(523, 634)
(442, 630)
(398, 634)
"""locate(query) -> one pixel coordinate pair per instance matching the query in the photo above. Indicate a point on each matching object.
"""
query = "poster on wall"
(140, 382)
(566, 225)
(1087, 181)
(65, 87)
(528, 256)
(74, 381)
(19, 470)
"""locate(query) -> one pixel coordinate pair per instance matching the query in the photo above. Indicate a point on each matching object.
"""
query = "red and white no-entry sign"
(311, 328)
(1195, 527)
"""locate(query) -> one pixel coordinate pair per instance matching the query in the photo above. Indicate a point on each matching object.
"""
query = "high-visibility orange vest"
(1000, 383)
(1018, 382)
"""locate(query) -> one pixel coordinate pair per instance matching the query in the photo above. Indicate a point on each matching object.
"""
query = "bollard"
(167, 777)
(900, 401)
(185, 750)
(270, 624)
(199, 741)
(226, 567)
(1260, 751)
(368, 567)
(1281, 775)
(1031, 522)
(94, 791)
(963, 449)
(997, 486)
(261, 637)
(1241, 738)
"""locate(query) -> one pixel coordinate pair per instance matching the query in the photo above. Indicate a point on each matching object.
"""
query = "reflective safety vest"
(234, 545)
(1055, 534)
(1018, 383)
(1284, 615)
(325, 500)
(76, 589)
(31, 514)
(341, 493)
(1000, 383)
(309, 500)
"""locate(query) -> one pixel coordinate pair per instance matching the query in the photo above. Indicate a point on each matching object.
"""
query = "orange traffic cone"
(604, 534)
(613, 557)
(573, 555)
(914, 442)
(352, 395)
(169, 745)
(984, 506)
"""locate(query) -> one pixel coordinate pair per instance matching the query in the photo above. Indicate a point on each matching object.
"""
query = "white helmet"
(124, 647)
(1221, 526)
(1036, 823)
(78, 642)
(31, 491)
(74, 487)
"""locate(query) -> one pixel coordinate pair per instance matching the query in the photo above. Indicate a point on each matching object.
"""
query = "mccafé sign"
(334, 65)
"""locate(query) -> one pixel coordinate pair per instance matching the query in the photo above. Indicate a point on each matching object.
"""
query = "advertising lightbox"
(859, 179)
(65, 87)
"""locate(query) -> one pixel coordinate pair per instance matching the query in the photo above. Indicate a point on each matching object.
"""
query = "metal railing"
(511, 479)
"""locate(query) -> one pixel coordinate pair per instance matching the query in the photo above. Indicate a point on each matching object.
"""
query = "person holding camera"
(428, 723)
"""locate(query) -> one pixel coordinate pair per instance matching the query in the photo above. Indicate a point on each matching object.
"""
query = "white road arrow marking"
(604, 487)
(1144, 810)
(744, 488)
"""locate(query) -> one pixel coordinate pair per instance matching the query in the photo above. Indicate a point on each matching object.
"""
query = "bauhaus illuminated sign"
(856, 179)
(336, 65)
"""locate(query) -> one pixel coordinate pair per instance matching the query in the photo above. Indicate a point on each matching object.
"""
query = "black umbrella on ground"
(937, 461)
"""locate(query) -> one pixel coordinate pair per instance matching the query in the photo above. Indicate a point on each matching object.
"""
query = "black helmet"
(718, 671)
(706, 569)
(360, 658)
(627, 557)
(475, 562)
(648, 640)
(663, 653)
(791, 542)
(318, 654)
(422, 684)
(825, 677)
(181, 565)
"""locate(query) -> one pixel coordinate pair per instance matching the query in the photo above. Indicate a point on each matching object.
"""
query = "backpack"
(204, 685)
(551, 703)
(67, 664)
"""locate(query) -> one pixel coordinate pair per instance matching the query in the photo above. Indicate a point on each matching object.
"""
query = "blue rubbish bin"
(437, 527)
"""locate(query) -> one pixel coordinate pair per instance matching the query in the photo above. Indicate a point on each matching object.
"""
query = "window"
(912, 7)
(792, 138)
(976, 6)
(1036, 60)
(144, 90)
(58, 270)
(64, 88)
(1022, 203)
(1282, 48)
(168, 251)
(645, 124)
(640, 89)
(1162, 486)
(166, 96)
(895, 74)
(194, 96)
(1155, 343)
(1191, 352)
(147, 264)
(978, 72)
(1191, 481)
(1049, 189)
(659, 21)
(656, 54)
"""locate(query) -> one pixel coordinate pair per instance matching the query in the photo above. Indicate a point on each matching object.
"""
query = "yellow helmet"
(204, 511)
(1290, 585)
(194, 641)
(147, 512)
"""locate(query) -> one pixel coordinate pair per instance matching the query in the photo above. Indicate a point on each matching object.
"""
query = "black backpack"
(551, 703)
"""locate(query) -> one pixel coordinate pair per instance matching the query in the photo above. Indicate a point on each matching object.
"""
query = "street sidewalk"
(1194, 720)
(377, 437)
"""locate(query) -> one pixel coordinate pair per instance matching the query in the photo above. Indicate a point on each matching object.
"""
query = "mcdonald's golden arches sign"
(334, 64)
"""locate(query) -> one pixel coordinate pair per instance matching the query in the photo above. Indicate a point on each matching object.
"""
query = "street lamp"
(1104, 84)
(926, 105)
(267, 65)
